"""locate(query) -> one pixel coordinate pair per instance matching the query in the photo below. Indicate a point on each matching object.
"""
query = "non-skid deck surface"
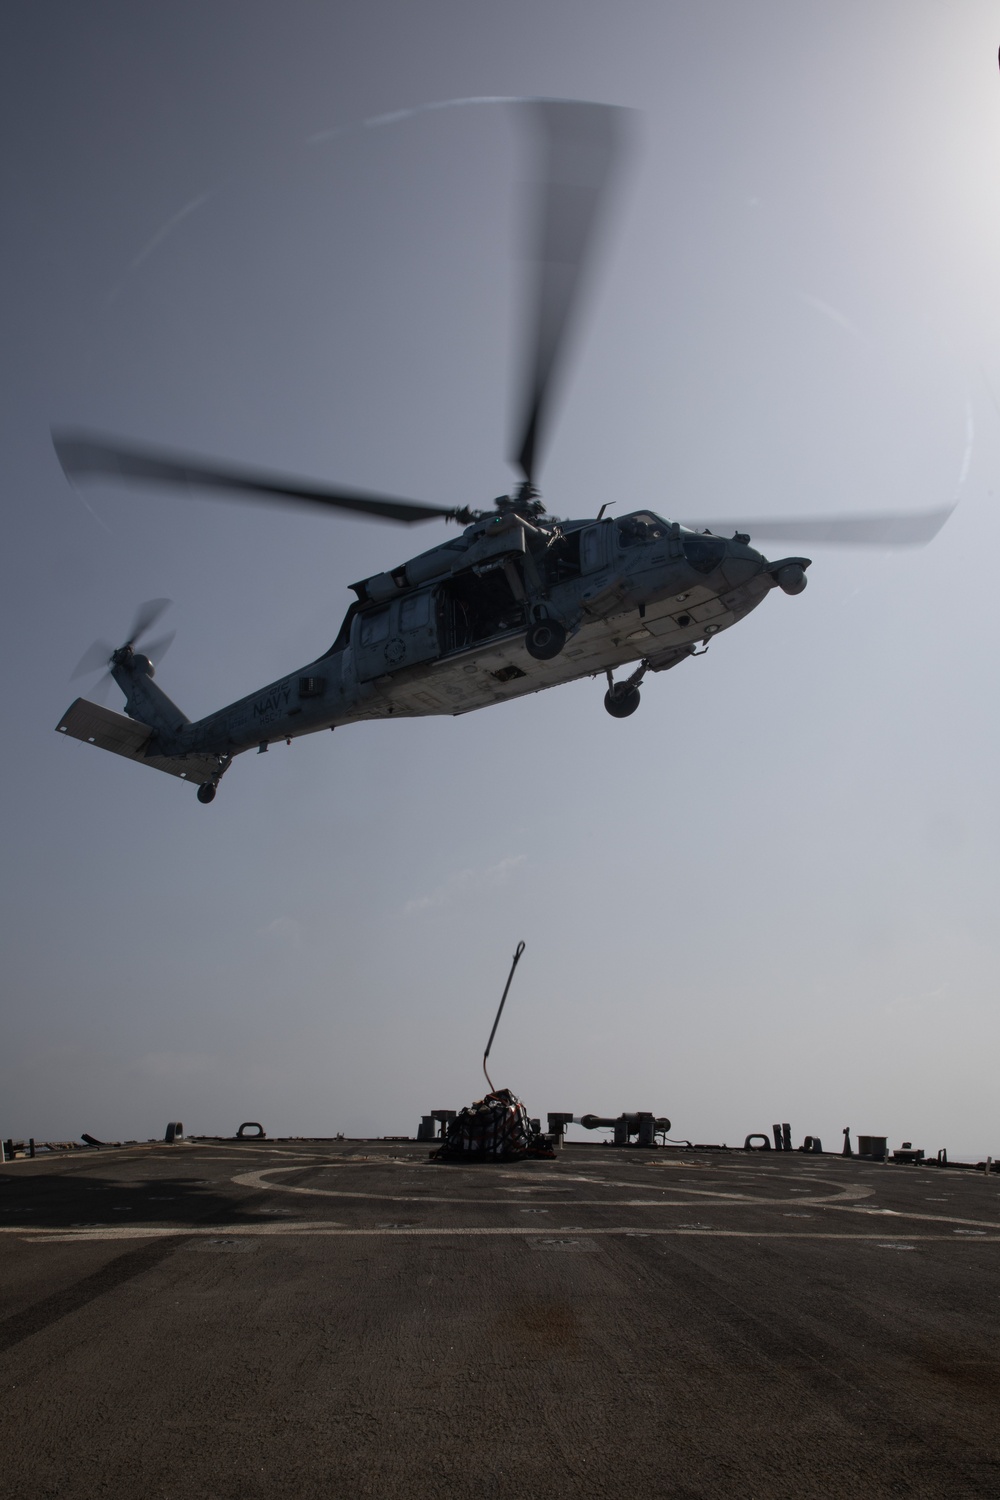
(221, 1320)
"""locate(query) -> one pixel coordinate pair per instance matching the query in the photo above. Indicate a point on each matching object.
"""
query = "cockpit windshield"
(704, 552)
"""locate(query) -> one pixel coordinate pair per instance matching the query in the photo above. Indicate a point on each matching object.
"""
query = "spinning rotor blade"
(146, 617)
(581, 143)
(100, 653)
(157, 650)
(99, 692)
(902, 529)
(96, 656)
(83, 455)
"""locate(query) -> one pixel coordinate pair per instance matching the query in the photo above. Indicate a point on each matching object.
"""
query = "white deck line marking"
(327, 1226)
(80, 1154)
(318, 1231)
(703, 1192)
(905, 1213)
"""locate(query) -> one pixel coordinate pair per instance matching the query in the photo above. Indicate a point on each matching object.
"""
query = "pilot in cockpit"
(633, 530)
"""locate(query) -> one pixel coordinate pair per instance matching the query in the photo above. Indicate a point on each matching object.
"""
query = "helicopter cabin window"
(592, 547)
(704, 553)
(415, 612)
(634, 531)
(374, 628)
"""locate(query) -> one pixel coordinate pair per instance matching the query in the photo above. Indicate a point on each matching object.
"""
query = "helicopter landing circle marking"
(843, 1200)
(841, 1195)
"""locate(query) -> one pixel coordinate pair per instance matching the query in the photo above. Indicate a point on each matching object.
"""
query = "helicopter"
(517, 602)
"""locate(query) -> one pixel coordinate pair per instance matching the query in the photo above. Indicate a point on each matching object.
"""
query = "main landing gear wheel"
(206, 792)
(620, 705)
(545, 639)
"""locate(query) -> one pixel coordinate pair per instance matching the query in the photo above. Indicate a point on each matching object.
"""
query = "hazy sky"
(771, 894)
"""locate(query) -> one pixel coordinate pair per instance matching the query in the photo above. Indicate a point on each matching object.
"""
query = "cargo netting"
(495, 1128)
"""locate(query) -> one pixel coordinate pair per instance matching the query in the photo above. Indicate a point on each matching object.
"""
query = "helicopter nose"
(741, 563)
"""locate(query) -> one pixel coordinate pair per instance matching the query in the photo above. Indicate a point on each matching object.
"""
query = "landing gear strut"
(622, 698)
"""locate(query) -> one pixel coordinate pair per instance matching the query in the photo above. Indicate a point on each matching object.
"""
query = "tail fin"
(98, 726)
(145, 701)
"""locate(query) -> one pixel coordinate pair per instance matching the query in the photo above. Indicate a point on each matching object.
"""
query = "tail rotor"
(102, 654)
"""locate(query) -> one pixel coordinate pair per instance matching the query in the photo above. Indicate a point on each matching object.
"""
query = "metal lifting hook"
(517, 954)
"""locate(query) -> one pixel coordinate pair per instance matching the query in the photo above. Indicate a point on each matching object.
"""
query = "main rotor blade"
(580, 145)
(85, 455)
(902, 529)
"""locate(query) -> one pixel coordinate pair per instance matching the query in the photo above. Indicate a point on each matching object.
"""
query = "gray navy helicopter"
(518, 601)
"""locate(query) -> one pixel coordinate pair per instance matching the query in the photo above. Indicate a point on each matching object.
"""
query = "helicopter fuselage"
(446, 633)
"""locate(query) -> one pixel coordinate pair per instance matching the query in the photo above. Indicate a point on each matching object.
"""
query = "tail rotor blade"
(580, 146)
(157, 650)
(100, 653)
(96, 656)
(146, 617)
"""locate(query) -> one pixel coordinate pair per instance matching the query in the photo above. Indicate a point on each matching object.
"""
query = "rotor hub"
(525, 502)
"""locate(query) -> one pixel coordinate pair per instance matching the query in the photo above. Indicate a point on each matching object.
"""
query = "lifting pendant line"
(517, 954)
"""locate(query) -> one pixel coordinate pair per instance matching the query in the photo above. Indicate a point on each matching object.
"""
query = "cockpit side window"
(633, 531)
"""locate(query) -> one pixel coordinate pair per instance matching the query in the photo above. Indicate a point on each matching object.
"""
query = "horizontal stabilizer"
(110, 731)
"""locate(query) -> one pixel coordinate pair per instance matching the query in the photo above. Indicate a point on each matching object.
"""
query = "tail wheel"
(545, 639)
(207, 791)
(620, 705)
